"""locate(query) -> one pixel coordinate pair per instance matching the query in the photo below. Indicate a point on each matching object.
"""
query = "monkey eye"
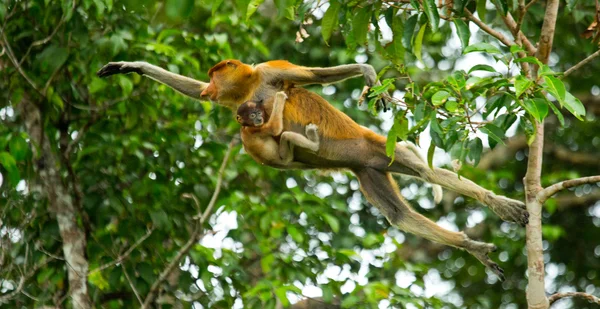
(238, 118)
(252, 116)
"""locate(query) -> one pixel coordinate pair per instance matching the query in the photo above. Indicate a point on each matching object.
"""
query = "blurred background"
(129, 148)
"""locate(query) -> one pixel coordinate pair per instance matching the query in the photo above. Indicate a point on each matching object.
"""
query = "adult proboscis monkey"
(344, 143)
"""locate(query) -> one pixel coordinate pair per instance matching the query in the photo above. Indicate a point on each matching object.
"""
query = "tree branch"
(125, 254)
(196, 234)
(581, 63)
(489, 30)
(558, 296)
(137, 295)
(14, 61)
(60, 203)
(543, 195)
(536, 294)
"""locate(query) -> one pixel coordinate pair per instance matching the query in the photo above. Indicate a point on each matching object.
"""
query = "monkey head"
(251, 114)
(225, 80)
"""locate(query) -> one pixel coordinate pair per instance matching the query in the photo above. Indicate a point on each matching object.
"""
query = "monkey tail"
(438, 193)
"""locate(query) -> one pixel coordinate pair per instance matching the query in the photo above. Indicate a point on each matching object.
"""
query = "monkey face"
(224, 77)
(251, 114)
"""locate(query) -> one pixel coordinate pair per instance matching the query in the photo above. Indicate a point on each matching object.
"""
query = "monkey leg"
(381, 190)
(409, 163)
(291, 139)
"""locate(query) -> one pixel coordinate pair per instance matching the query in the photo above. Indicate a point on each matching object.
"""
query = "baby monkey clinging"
(260, 130)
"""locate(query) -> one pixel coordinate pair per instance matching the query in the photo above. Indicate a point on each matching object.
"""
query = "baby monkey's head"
(251, 114)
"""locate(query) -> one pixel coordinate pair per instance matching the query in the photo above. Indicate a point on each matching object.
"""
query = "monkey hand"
(122, 67)
(281, 96)
(381, 102)
(480, 251)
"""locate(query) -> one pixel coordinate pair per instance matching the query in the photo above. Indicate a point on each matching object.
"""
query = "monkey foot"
(480, 251)
(508, 209)
(122, 67)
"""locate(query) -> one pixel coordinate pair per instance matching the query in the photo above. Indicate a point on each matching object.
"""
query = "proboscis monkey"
(260, 132)
(343, 143)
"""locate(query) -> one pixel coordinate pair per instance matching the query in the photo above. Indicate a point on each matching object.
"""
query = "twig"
(581, 63)
(489, 30)
(6, 297)
(13, 59)
(196, 234)
(49, 37)
(137, 295)
(558, 296)
(125, 254)
(546, 193)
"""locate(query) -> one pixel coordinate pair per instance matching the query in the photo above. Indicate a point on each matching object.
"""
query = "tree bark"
(536, 294)
(60, 203)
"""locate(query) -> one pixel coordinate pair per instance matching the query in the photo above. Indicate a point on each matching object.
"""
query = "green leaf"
(178, 9)
(482, 47)
(419, 42)
(266, 263)
(475, 149)
(451, 106)
(463, 31)
(398, 47)
(482, 67)
(522, 84)
(574, 106)
(545, 70)
(360, 24)
(440, 97)
(515, 49)
(18, 148)
(333, 222)
(280, 292)
(215, 6)
(481, 9)
(538, 108)
(330, 20)
(409, 30)
(430, 153)
(556, 87)
(502, 5)
(529, 59)
(295, 234)
(558, 114)
(350, 301)
(10, 165)
(252, 7)
(430, 8)
(493, 132)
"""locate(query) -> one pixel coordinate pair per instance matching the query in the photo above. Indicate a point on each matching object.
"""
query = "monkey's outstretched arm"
(283, 70)
(274, 126)
(185, 85)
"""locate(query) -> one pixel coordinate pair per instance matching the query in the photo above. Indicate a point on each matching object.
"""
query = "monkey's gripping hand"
(381, 102)
(122, 67)
(481, 250)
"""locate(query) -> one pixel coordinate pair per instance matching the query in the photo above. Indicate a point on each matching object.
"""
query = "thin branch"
(14, 61)
(489, 30)
(125, 254)
(6, 297)
(518, 34)
(546, 193)
(582, 63)
(589, 297)
(196, 234)
(137, 295)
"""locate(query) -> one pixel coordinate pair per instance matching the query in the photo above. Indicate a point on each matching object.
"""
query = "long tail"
(438, 194)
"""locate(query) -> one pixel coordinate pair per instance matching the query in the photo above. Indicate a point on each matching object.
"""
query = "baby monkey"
(260, 131)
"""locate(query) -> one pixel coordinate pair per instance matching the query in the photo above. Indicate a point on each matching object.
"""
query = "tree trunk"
(60, 203)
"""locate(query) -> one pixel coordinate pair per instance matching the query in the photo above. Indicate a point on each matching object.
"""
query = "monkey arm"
(185, 85)
(275, 124)
(285, 71)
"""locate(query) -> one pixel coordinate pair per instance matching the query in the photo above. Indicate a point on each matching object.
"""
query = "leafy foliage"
(131, 149)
